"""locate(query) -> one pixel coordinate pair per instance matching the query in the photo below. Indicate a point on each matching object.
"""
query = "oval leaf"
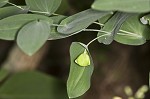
(111, 27)
(10, 26)
(133, 32)
(33, 36)
(32, 85)
(54, 34)
(79, 78)
(3, 2)
(138, 6)
(47, 6)
(80, 21)
(10, 10)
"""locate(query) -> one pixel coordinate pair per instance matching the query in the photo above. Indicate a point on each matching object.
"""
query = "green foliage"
(79, 78)
(46, 6)
(32, 85)
(36, 34)
(139, 94)
(54, 34)
(103, 20)
(137, 6)
(133, 32)
(10, 10)
(10, 26)
(111, 27)
(32, 30)
(3, 2)
(3, 74)
(80, 21)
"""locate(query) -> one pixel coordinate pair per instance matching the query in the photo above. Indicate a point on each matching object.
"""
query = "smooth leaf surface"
(48, 6)
(10, 10)
(111, 27)
(33, 35)
(10, 26)
(32, 85)
(103, 20)
(54, 34)
(138, 6)
(79, 78)
(3, 2)
(133, 32)
(80, 21)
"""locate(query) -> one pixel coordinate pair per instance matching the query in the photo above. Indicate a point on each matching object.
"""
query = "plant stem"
(28, 10)
(98, 23)
(94, 30)
(57, 25)
(96, 39)
(15, 5)
(55, 14)
(39, 12)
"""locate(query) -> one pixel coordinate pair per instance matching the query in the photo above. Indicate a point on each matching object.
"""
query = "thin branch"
(94, 30)
(57, 25)
(15, 5)
(98, 23)
(25, 9)
(96, 39)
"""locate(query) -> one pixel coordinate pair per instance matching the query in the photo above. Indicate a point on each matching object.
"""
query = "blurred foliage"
(32, 85)
(139, 94)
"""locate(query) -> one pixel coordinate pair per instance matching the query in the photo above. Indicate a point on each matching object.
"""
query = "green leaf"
(103, 20)
(138, 6)
(3, 2)
(57, 19)
(33, 36)
(3, 74)
(10, 26)
(79, 78)
(48, 6)
(54, 35)
(111, 27)
(63, 8)
(9, 11)
(133, 32)
(32, 85)
(80, 21)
